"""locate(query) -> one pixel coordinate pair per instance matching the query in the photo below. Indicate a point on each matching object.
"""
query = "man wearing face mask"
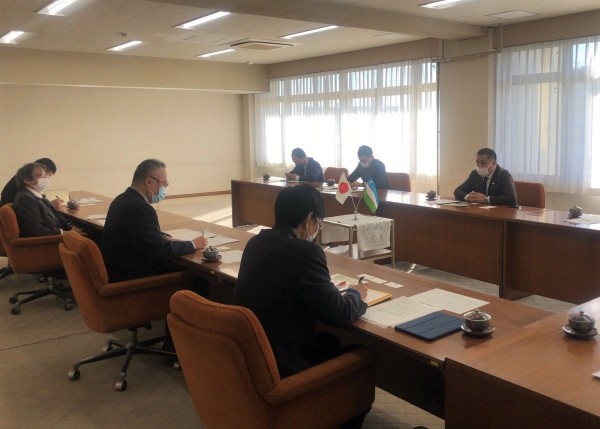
(489, 183)
(285, 281)
(10, 189)
(35, 214)
(132, 243)
(369, 168)
(306, 169)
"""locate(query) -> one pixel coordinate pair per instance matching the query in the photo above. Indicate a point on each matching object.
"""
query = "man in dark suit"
(35, 214)
(285, 281)
(489, 183)
(306, 169)
(369, 168)
(132, 243)
(9, 191)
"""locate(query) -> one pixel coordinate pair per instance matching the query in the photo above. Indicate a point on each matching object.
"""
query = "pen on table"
(361, 278)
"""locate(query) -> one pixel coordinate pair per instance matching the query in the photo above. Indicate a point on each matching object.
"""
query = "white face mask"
(42, 184)
(364, 164)
(483, 171)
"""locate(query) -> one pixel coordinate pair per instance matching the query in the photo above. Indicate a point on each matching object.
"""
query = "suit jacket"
(132, 243)
(313, 172)
(9, 192)
(375, 171)
(501, 189)
(36, 216)
(285, 281)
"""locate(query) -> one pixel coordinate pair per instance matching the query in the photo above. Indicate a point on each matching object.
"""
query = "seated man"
(285, 281)
(369, 168)
(35, 214)
(306, 169)
(132, 243)
(10, 189)
(489, 183)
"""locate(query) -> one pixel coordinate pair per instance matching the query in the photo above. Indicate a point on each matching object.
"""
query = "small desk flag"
(343, 190)
(370, 196)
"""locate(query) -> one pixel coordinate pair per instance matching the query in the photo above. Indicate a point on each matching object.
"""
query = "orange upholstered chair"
(334, 173)
(530, 194)
(108, 307)
(233, 380)
(31, 255)
(399, 181)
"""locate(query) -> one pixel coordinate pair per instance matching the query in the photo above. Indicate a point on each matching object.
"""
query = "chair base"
(6, 271)
(128, 348)
(52, 288)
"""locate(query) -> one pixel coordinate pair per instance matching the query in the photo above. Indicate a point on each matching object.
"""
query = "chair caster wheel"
(68, 306)
(73, 374)
(177, 366)
(107, 348)
(15, 311)
(121, 385)
(13, 299)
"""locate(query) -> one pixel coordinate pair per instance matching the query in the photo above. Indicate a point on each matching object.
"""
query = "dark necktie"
(485, 185)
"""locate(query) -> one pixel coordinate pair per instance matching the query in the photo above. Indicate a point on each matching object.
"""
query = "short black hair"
(26, 173)
(48, 164)
(294, 203)
(365, 151)
(299, 153)
(145, 168)
(487, 152)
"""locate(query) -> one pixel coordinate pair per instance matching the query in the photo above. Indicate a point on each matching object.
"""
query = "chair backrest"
(226, 359)
(530, 194)
(399, 181)
(334, 173)
(27, 255)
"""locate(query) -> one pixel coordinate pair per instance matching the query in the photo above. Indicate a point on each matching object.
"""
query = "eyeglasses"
(158, 182)
(319, 223)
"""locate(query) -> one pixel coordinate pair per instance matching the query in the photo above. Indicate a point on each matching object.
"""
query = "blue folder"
(431, 326)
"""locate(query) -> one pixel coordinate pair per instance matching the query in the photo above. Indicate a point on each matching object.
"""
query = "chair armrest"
(135, 285)
(321, 375)
(36, 241)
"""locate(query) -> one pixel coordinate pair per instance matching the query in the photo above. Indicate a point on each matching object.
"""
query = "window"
(391, 107)
(548, 114)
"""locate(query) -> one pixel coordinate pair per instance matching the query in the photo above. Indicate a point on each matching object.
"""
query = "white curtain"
(390, 107)
(548, 114)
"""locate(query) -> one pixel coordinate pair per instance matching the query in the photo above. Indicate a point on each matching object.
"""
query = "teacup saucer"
(210, 260)
(571, 333)
(487, 331)
(431, 199)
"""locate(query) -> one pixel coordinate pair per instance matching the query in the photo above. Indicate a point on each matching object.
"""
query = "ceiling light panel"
(306, 33)
(56, 7)
(125, 46)
(441, 4)
(199, 21)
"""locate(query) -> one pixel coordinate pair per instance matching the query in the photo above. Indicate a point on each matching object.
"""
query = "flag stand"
(356, 205)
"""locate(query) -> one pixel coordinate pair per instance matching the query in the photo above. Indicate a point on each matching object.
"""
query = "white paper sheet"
(231, 256)
(88, 201)
(397, 311)
(218, 240)
(450, 301)
(184, 234)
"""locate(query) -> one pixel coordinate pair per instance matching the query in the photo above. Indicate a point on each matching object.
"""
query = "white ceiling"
(94, 25)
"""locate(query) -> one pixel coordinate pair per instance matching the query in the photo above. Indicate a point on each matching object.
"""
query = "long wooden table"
(408, 367)
(524, 251)
(537, 377)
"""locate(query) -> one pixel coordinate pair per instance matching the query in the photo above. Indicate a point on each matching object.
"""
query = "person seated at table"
(489, 183)
(284, 280)
(35, 214)
(132, 243)
(369, 168)
(306, 169)
(10, 189)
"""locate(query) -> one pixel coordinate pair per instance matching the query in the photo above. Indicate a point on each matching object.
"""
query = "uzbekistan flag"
(343, 189)
(370, 196)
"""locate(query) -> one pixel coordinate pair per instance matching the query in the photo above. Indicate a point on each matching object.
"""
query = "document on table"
(190, 234)
(455, 204)
(450, 301)
(397, 311)
(88, 201)
(441, 201)
(98, 218)
(231, 256)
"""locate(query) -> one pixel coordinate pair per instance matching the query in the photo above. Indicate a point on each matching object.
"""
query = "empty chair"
(31, 255)
(399, 181)
(334, 173)
(530, 194)
(233, 380)
(109, 307)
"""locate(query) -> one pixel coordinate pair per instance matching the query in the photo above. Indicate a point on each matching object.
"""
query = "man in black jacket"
(369, 168)
(306, 169)
(9, 192)
(489, 183)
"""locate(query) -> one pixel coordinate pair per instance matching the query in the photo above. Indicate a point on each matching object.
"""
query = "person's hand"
(361, 288)
(200, 242)
(476, 197)
(57, 203)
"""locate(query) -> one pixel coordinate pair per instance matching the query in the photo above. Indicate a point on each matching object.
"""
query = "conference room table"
(523, 250)
(408, 367)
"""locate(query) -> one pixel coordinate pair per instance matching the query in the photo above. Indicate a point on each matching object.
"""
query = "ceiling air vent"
(260, 45)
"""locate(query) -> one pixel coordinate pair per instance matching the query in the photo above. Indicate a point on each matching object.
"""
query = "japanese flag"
(343, 190)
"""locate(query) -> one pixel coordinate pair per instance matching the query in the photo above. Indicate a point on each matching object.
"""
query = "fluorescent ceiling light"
(204, 19)
(212, 54)
(55, 7)
(11, 36)
(124, 46)
(441, 4)
(305, 33)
